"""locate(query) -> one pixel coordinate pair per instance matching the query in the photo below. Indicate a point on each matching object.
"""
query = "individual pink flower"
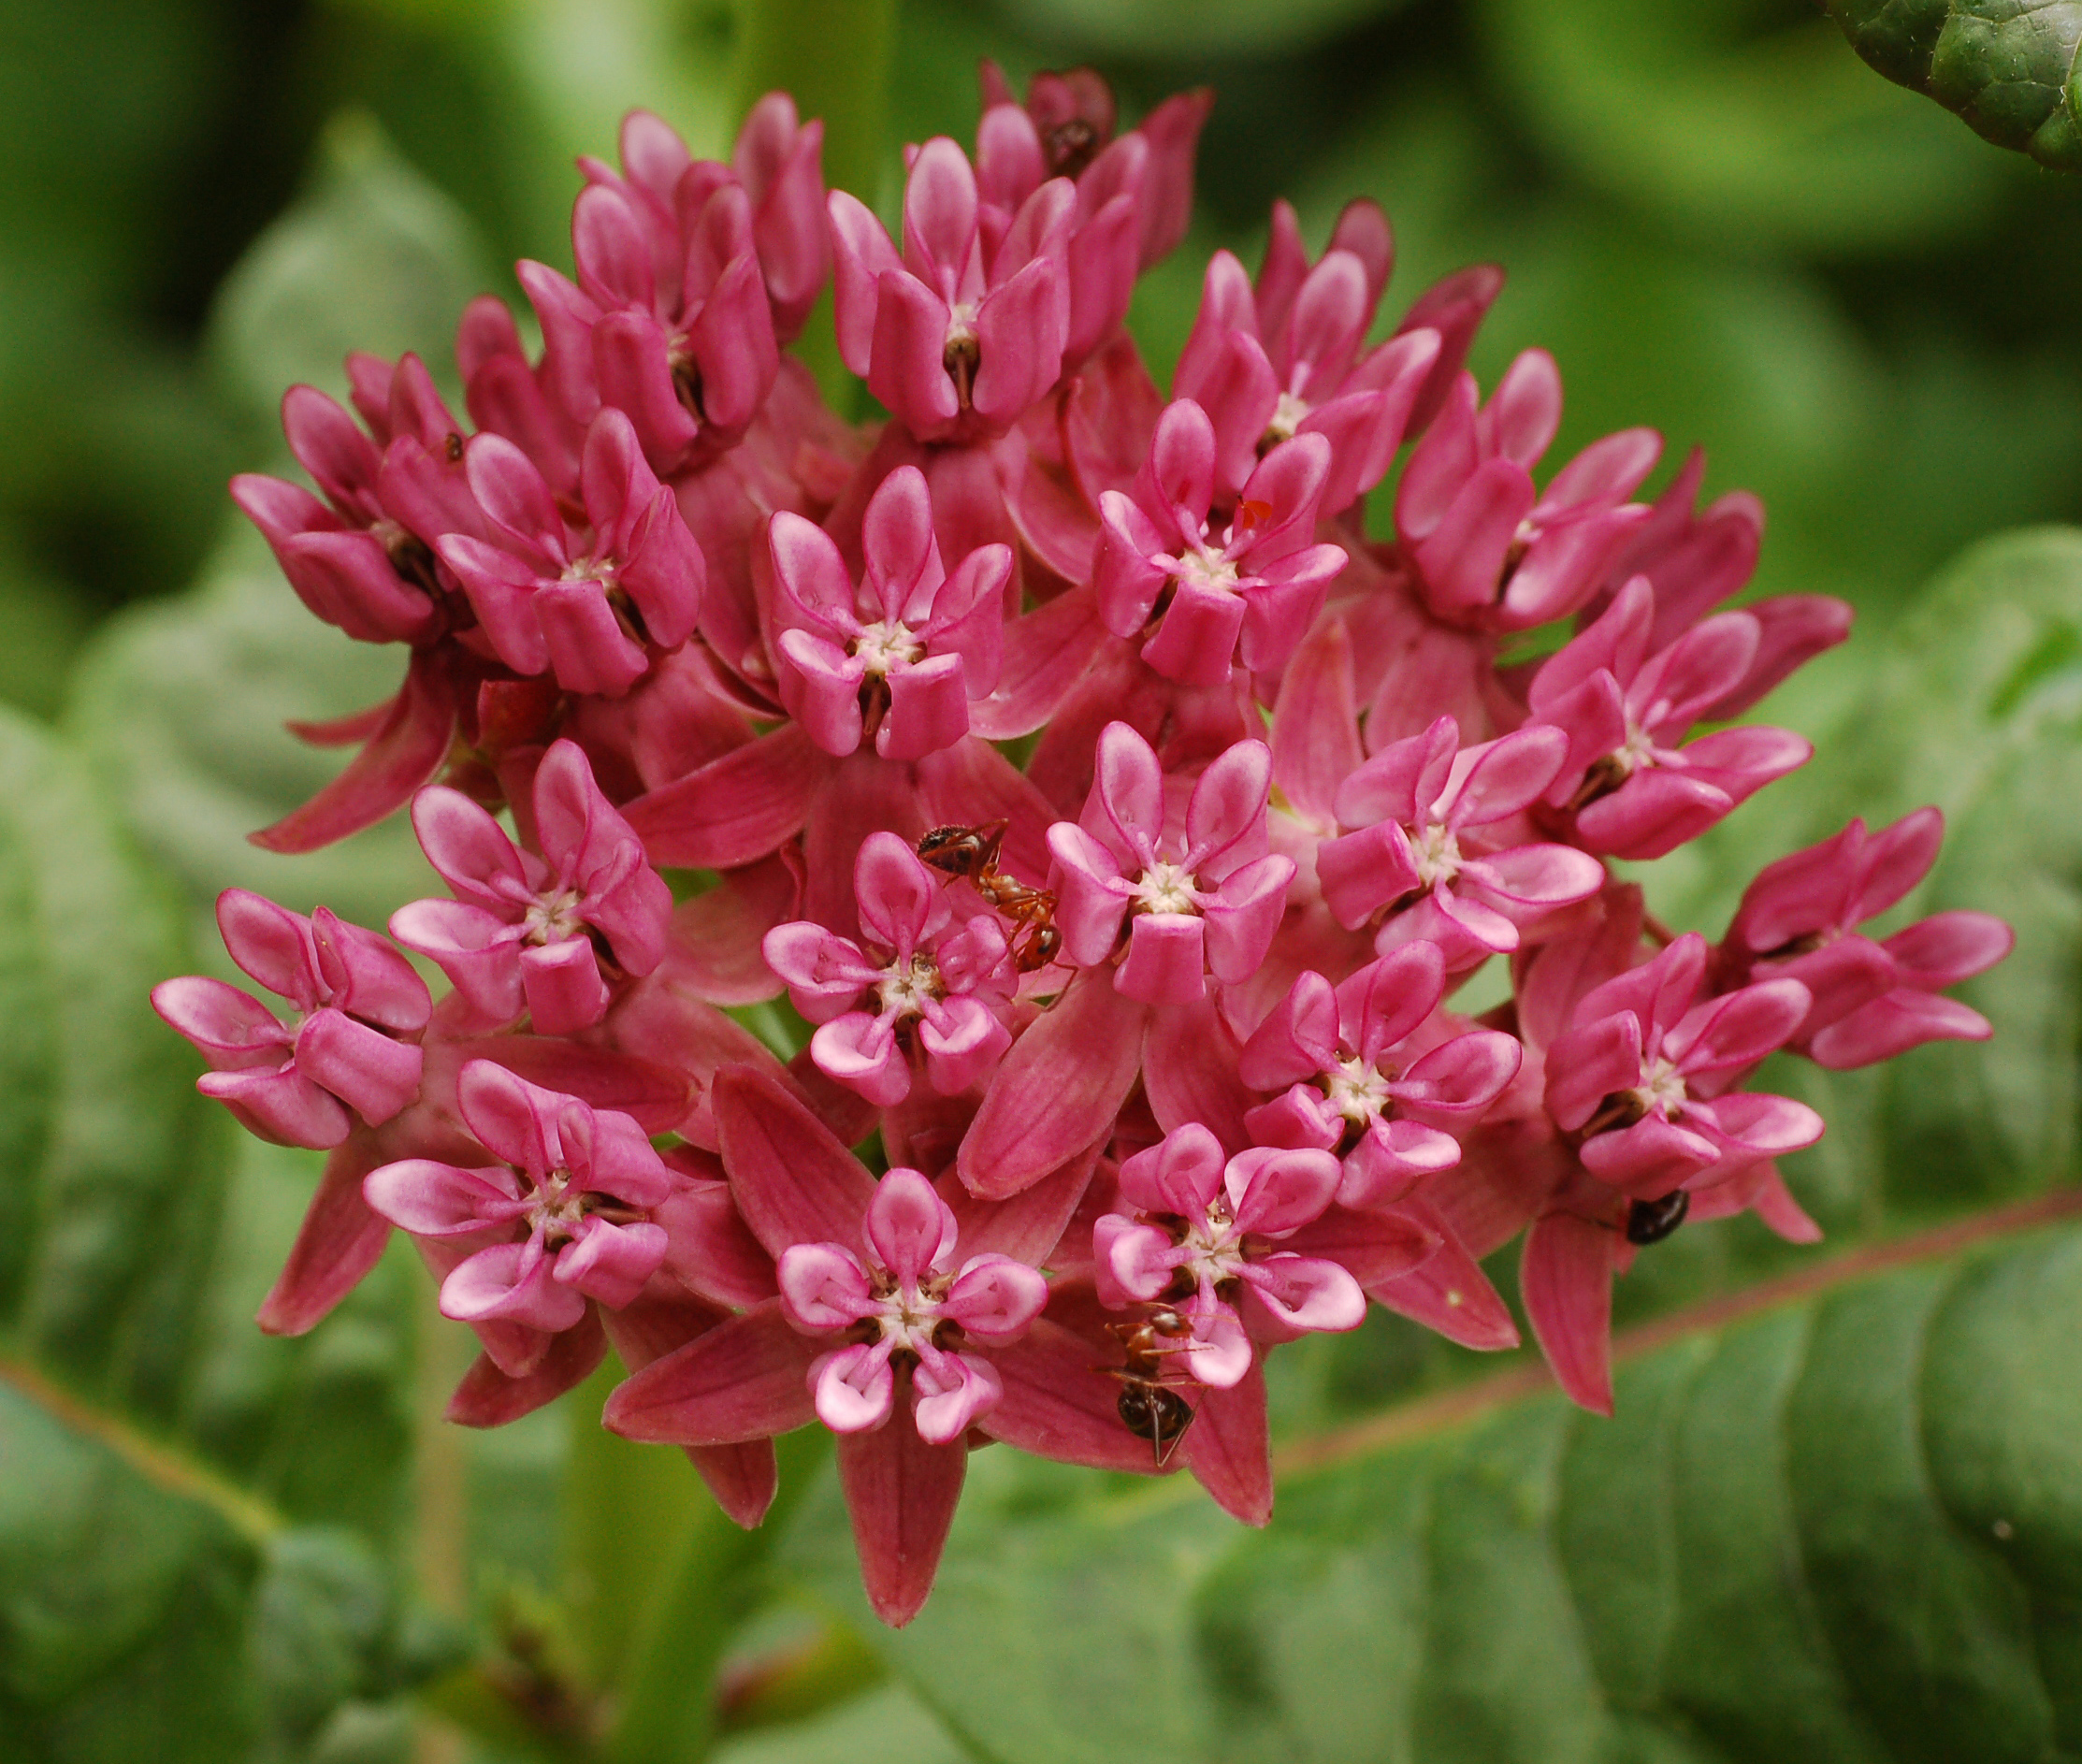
(1205, 899)
(1073, 117)
(362, 559)
(1870, 1000)
(1632, 790)
(1101, 252)
(1250, 586)
(1696, 559)
(901, 657)
(909, 1297)
(586, 602)
(1283, 357)
(562, 1219)
(1369, 1072)
(961, 333)
(1223, 1241)
(668, 320)
(347, 1050)
(886, 1308)
(1644, 1070)
(931, 993)
(1438, 846)
(530, 934)
(1490, 549)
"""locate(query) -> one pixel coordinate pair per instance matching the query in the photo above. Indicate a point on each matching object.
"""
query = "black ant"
(1651, 1222)
(1149, 1405)
(972, 854)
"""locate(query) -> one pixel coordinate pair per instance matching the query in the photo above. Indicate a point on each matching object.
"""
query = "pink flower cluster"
(713, 696)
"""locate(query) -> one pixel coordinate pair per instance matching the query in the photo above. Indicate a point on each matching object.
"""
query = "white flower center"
(557, 1207)
(1206, 568)
(1214, 1247)
(1437, 854)
(553, 917)
(1638, 750)
(907, 1315)
(1166, 887)
(1288, 415)
(887, 644)
(905, 987)
(1661, 1089)
(960, 326)
(1357, 1090)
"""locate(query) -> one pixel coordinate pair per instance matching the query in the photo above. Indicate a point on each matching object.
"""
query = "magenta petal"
(1165, 963)
(742, 1381)
(400, 757)
(735, 810)
(341, 1239)
(1888, 1026)
(1566, 1280)
(489, 1398)
(1020, 330)
(1227, 1449)
(743, 1478)
(1057, 1091)
(610, 1262)
(565, 988)
(1243, 917)
(370, 1073)
(1648, 1159)
(793, 1182)
(1190, 1071)
(901, 1493)
(505, 1285)
(431, 1199)
(1028, 1226)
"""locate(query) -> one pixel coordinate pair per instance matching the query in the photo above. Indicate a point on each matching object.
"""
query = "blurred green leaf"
(1199, 27)
(1840, 1527)
(128, 1561)
(97, 1123)
(373, 258)
(181, 706)
(1731, 120)
(2007, 70)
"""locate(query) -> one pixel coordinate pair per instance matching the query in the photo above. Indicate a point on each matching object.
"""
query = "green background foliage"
(1838, 1515)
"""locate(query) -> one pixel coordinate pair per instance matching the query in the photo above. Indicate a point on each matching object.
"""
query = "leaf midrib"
(1428, 1416)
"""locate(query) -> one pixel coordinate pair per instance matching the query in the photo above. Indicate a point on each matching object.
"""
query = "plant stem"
(669, 1704)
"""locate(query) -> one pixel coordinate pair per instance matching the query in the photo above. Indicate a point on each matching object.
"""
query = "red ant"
(972, 854)
(1149, 1405)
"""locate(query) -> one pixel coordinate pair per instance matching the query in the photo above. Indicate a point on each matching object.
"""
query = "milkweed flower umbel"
(1098, 820)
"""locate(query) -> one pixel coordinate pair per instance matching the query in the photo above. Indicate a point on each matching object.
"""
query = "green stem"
(669, 1704)
(835, 57)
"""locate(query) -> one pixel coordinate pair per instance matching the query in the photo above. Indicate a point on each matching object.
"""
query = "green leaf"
(181, 707)
(1166, 28)
(1832, 1524)
(1725, 121)
(96, 1116)
(2007, 70)
(373, 258)
(130, 1560)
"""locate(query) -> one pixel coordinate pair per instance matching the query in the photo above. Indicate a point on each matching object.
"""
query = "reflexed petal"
(901, 1493)
(1566, 1280)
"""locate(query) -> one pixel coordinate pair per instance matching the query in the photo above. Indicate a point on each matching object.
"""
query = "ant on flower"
(970, 853)
(1149, 1405)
